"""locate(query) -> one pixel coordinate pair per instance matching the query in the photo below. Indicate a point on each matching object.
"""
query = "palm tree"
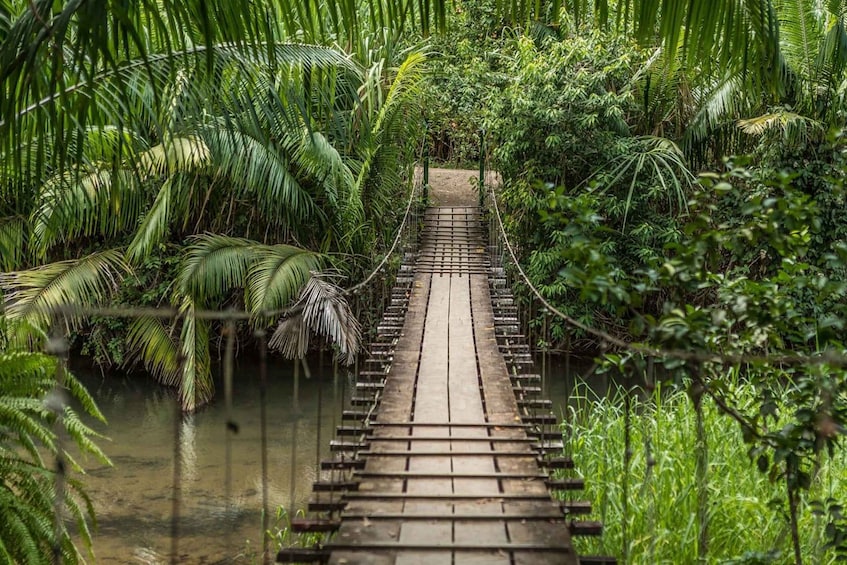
(800, 107)
(292, 143)
(322, 309)
(215, 266)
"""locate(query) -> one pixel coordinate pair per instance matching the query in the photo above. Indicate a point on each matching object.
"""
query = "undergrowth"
(747, 516)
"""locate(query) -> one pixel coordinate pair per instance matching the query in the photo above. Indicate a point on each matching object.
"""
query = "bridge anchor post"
(481, 167)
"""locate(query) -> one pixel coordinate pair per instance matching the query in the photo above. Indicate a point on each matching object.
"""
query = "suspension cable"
(355, 288)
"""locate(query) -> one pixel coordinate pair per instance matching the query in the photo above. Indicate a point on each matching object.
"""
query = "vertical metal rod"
(651, 462)
(627, 457)
(481, 167)
(335, 407)
(231, 426)
(491, 239)
(425, 186)
(176, 501)
(384, 297)
(568, 380)
(177, 484)
(701, 469)
(319, 423)
(263, 438)
(295, 399)
(58, 347)
(292, 487)
(335, 377)
(356, 365)
(544, 380)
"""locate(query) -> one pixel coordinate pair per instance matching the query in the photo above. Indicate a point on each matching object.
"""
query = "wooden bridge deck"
(450, 474)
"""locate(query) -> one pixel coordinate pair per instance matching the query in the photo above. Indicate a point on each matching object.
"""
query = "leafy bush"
(564, 112)
(465, 80)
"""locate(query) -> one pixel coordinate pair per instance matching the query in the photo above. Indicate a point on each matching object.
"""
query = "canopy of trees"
(206, 154)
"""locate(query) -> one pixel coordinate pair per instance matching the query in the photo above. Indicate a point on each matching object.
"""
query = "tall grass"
(747, 513)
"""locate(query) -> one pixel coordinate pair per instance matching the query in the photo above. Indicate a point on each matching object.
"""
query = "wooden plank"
(431, 385)
(462, 487)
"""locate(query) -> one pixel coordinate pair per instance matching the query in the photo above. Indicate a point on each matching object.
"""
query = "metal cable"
(176, 502)
(355, 288)
(230, 427)
(824, 358)
(263, 437)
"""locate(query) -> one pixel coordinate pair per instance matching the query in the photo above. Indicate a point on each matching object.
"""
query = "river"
(133, 499)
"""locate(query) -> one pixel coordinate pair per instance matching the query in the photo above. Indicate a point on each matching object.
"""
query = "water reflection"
(567, 376)
(187, 454)
(134, 499)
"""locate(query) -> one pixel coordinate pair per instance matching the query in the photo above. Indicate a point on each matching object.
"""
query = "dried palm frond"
(323, 310)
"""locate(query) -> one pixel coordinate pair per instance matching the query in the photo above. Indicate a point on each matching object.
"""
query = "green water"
(134, 499)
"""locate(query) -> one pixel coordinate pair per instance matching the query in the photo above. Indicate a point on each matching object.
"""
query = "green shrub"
(564, 113)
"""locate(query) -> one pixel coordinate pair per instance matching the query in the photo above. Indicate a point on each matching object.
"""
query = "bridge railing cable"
(639, 371)
(607, 340)
(405, 224)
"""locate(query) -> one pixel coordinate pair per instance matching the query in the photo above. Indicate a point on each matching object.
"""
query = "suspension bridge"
(447, 454)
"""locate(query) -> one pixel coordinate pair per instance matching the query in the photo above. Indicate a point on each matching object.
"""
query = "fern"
(27, 480)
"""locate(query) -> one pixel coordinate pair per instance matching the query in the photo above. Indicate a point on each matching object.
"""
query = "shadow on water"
(565, 377)
(134, 499)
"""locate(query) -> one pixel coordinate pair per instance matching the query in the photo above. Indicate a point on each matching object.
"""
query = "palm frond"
(13, 233)
(157, 348)
(35, 295)
(800, 33)
(384, 168)
(791, 125)
(652, 159)
(720, 104)
(321, 309)
(86, 201)
(176, 154)
(259, 170)
(277, 275)
(214, 265)
(157, 220)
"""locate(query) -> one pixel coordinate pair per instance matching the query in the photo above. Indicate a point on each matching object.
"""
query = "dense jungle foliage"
(673, 177)
(679, 206)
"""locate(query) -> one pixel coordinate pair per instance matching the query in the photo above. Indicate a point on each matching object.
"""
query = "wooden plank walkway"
(450, 474)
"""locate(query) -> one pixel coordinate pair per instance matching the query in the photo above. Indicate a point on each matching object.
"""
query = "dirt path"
(453, 187)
